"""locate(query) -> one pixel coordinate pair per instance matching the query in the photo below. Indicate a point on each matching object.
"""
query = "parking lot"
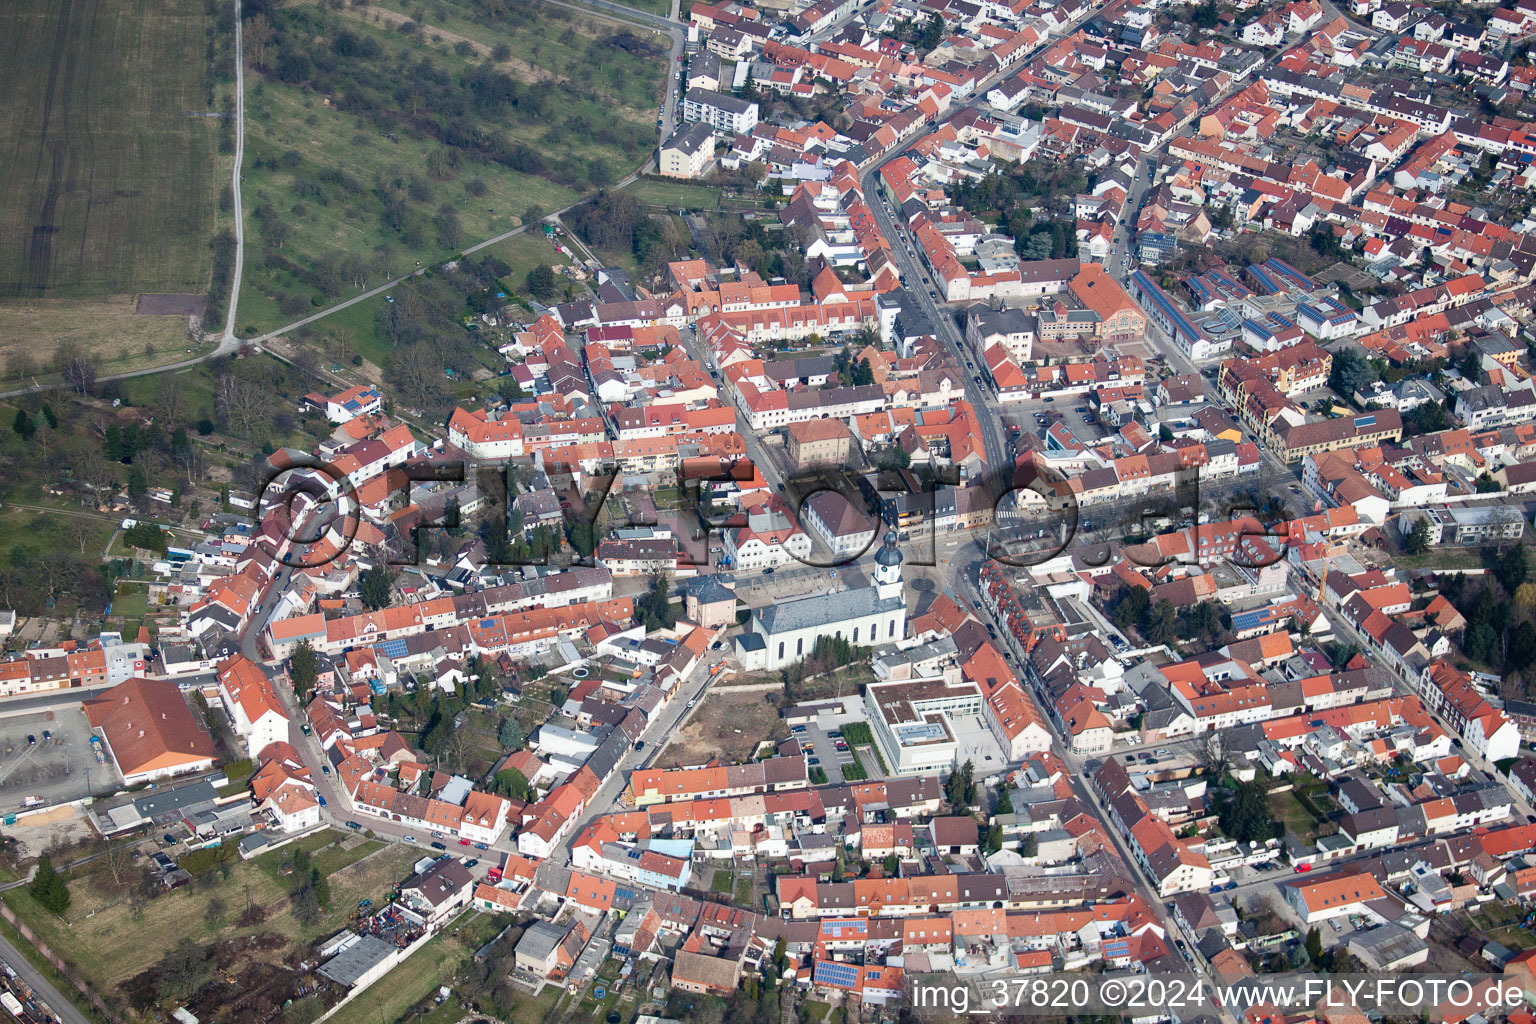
(823, 737)
(48, 755)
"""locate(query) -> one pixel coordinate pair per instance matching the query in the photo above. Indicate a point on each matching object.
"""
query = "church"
(784, 633)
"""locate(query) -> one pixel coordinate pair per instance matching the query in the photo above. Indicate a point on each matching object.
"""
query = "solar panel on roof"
(391, 648)
(487, 623)
(833, 973)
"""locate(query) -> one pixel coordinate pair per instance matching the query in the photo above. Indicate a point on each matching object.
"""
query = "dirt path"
(239, 218)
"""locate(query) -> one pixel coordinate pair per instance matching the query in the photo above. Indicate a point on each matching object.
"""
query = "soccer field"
(112, 173)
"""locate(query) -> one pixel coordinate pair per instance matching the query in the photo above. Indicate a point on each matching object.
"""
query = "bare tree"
(80, 373)
(1214, 754)
(78, 529)
(242, 403)
(257, 34)
(118, 858)
(20, 364)
(169, 400)
(416, 371)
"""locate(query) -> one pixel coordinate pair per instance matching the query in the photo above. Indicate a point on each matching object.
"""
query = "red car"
(1303, 867)
(463, 842)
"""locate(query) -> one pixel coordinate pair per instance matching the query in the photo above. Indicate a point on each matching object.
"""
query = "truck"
(32, 801)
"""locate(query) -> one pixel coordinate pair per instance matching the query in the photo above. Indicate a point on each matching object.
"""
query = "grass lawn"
(743, 894)
(131, 602)
(661, 7)
(391, 997)
(1501, 923)
(342, 195)
(1283, 807)
(338, 221)
(111, 182)
(100, 936)
(722, 882)
(38, 534)
(674, 195)
(402, 988)
(1442, 558)
(524, 252)
(107, 328)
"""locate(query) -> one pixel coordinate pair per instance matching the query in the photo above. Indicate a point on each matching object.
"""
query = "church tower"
(888, 568)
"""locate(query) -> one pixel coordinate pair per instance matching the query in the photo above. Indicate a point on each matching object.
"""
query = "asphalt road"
(41, 987)
(919, 286)
(239, 269)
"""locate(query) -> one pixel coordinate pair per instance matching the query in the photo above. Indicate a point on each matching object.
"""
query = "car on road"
(481, 846)
(439, 846)
(769, 571)
(321, 798)
(354, 826)
(472, 862)
(1301, 868)
(408, 839)
(639, 745)
(326, 769)
(463, 842)
(693, 702)
(1048, 398)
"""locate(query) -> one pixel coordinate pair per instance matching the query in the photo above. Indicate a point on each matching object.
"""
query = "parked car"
(463, 842)
(472, 862)
(439, 846)
(408, 839)
(354, 826)
(481, 846)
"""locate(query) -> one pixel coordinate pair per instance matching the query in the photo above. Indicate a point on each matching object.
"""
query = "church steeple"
(887, 574)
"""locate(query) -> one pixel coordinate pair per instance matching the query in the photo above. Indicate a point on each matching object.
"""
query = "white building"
(910, 721)
(723, 112)
(688, 151)
(785, 633)
(843, 527)
(252, 704)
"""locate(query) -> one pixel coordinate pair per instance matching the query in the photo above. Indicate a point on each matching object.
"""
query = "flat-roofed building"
(910, 722)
